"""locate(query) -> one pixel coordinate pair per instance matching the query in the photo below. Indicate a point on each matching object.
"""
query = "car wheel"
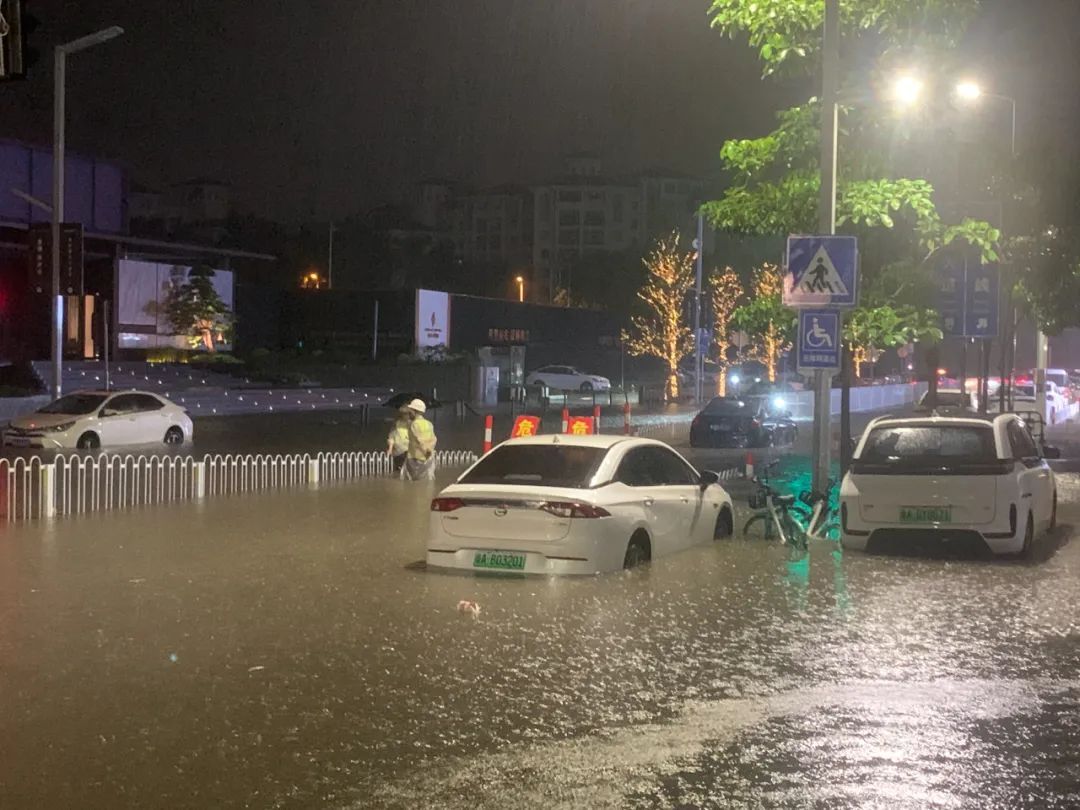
(586, 386)
(174, 435)
(637, 551)
(724, 524)
(88, 441)
(1029, 539)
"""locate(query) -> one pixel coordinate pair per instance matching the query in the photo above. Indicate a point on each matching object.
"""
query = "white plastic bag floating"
(469, 608)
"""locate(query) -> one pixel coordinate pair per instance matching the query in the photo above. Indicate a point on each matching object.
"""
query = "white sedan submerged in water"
(574, 505)
(88, 420)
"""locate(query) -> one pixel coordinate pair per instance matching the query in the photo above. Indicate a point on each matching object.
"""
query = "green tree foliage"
(883, 195)
(769, 324)
(871, 329)
(195, 309)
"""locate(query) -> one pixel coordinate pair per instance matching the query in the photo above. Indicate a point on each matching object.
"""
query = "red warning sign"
(525, 426)
(580, 426)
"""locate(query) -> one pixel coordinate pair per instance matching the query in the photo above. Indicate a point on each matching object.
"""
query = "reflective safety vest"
(421, 439)
(399, 439)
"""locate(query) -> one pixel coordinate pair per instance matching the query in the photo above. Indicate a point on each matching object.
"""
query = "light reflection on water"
(282, 651)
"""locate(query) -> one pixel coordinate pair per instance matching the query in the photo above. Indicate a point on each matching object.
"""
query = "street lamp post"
(970, 91)
(60, 68)
(827, 225)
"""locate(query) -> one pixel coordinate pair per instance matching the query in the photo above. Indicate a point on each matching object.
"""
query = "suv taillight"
(572, 509)
(446, 504)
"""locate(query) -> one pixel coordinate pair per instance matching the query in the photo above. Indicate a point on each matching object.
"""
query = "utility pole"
(59, 134)
(699, 244)
(827, 225)
(330, 259)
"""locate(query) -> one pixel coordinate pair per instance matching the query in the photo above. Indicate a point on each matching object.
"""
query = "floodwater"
(286, 650)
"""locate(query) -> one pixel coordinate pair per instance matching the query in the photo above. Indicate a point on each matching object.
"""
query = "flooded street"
(289, 650)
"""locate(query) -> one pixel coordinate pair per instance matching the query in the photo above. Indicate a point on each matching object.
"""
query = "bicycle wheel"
(760, 527)
(794, 532)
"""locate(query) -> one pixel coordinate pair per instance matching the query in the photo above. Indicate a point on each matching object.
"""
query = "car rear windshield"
(75, 404)
(725, 407)
(544, 465)
(918, 447)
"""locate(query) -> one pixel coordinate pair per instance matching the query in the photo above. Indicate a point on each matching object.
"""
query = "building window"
(669, 187)
(570, 195)
(594, 236)
(618, 237)
(495, 243)
(569, 218)
(569, 236)
(594, 218)
(617, 208)
(633, 225)
(596, 195)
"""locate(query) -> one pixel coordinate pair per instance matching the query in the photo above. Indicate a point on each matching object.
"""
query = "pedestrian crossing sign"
(822, 271)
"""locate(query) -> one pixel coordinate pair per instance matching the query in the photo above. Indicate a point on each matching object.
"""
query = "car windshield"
(725, 407)
(75, 404)
(545, 465)
(920, 445)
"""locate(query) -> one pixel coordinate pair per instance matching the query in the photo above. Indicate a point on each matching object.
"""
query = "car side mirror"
(708, 478)
(1051, 452)
(107, 412)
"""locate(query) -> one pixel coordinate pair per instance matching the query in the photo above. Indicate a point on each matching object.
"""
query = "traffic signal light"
(16, 26)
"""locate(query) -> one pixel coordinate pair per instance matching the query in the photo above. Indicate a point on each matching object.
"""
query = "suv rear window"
(725, 407)
(920, 447)
(545, 465)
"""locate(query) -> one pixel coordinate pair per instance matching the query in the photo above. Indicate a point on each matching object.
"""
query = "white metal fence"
(72, 485)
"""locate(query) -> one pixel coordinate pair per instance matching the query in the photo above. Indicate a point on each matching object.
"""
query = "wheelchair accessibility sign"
(819, 339)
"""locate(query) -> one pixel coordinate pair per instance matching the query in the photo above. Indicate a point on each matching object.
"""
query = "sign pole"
(827, 223)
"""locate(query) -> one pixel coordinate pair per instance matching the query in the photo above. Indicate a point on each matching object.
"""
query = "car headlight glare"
(61, 427)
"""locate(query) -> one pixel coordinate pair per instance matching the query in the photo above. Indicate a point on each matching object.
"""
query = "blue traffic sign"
(982, 294)
(822, 271)
(819, 339)
(969, 294)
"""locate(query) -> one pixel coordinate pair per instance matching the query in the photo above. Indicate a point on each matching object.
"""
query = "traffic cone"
(749, 465)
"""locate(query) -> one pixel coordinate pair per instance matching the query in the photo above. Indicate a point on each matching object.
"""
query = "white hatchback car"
(574, 505)
(88, 420)
(568, 378)
(952, 478)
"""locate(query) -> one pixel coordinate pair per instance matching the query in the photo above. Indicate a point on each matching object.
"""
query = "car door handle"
(1026, 495)
(649, 501)
(685, 499)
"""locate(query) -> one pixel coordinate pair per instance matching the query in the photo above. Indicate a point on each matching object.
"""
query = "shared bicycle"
(793, 521)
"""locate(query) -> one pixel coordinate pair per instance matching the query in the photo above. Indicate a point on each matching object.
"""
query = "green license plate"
(926, 514)
(500, 560)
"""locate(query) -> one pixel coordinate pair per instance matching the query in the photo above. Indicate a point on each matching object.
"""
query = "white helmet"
(417, 405)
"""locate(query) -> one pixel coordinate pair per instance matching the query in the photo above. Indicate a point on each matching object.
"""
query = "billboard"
(432, 319)
(141, 291)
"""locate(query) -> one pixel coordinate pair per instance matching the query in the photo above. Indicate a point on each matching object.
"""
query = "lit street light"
(59, 100)
(907, 90)
(521, 288)
(968, 90)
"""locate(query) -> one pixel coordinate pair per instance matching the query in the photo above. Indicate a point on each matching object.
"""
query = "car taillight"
(446, 504)
(571, 509)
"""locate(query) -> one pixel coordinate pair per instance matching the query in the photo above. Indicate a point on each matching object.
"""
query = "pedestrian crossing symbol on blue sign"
(819, 339)
(822, 271)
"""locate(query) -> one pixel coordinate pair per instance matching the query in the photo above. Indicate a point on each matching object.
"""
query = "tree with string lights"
(662, 332)
(725, 293)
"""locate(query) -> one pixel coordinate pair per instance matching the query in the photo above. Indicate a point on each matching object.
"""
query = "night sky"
(328, 111)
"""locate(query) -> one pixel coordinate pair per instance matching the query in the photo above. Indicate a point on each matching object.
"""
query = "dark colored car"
(731, 422)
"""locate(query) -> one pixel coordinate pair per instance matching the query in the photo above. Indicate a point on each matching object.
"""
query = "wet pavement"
(289, 651)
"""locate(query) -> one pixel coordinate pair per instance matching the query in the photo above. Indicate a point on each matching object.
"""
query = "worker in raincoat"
(420, 458)
(397, 441)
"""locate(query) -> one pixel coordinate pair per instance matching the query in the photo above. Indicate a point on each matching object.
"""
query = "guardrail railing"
(73, 485)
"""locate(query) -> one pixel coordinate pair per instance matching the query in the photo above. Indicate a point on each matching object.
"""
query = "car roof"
(603, 441)
(980, 420)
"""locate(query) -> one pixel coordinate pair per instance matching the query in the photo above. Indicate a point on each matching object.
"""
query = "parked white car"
(88, 420)
(574, 505)
(1023, 399)
(567, 378)
(955, 478)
